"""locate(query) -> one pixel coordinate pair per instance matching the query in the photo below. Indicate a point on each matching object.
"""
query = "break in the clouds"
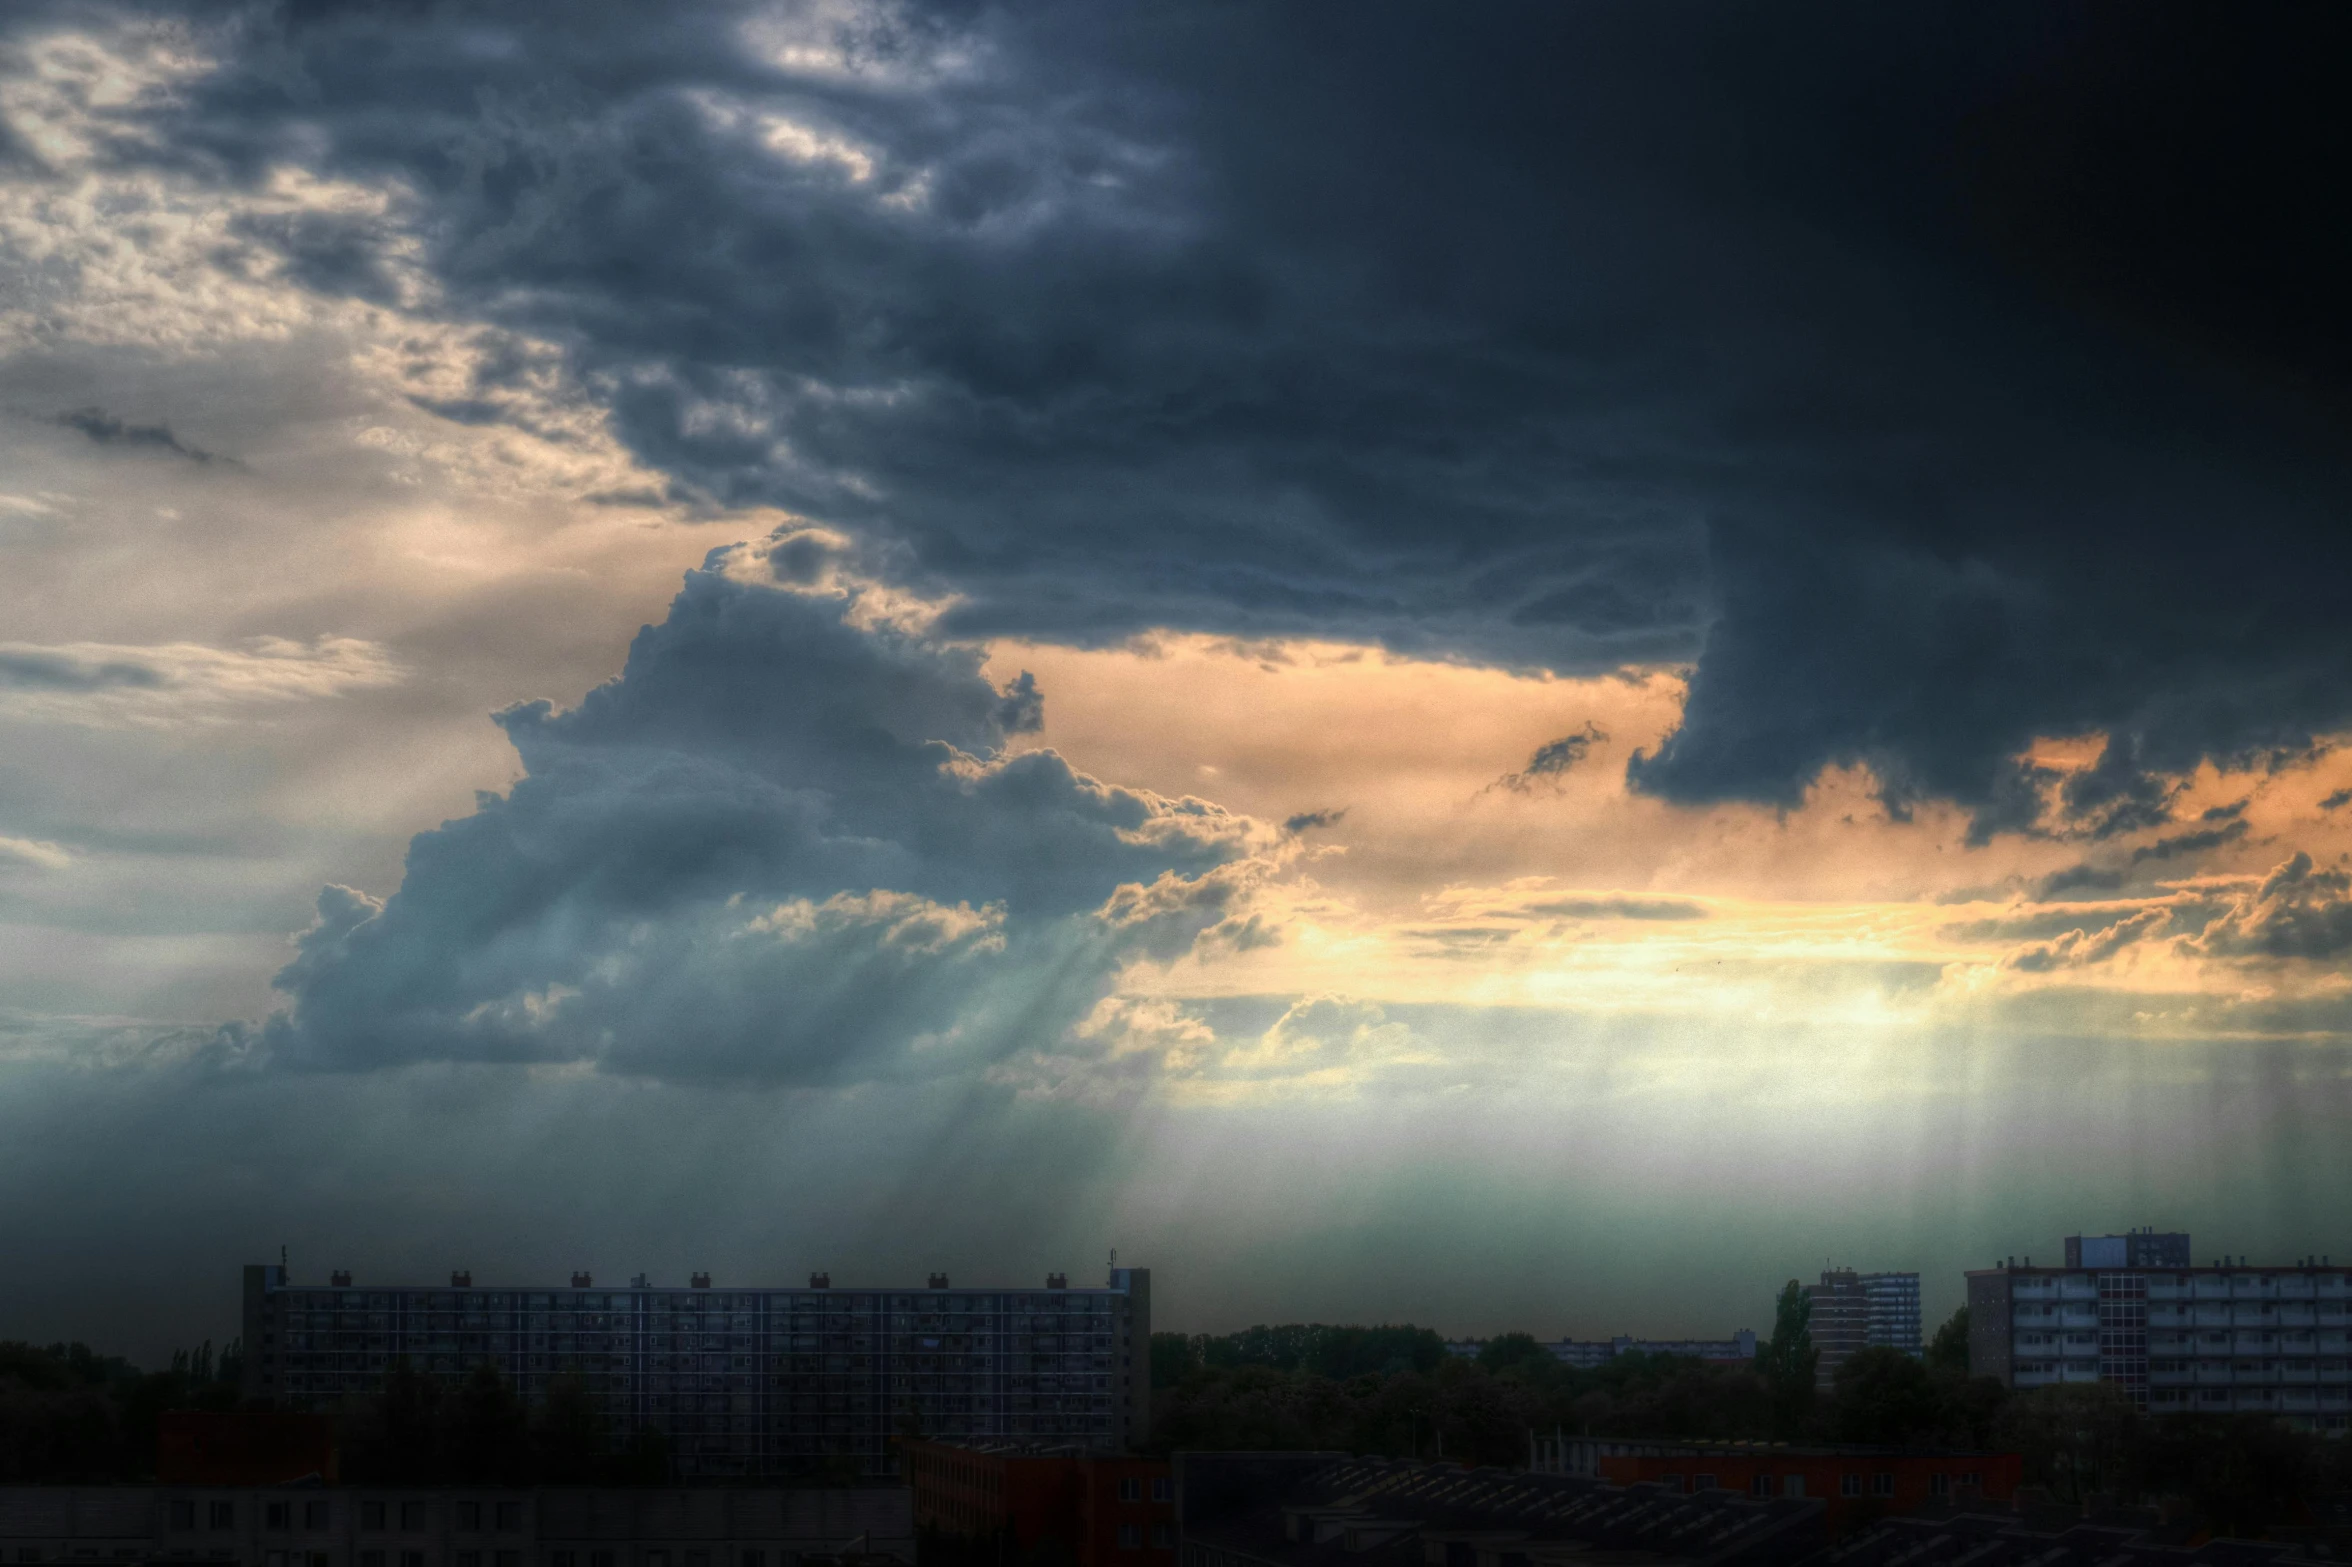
(784, 844)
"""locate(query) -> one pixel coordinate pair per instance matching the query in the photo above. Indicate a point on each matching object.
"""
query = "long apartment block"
(743, 1383)
(2223, 1338)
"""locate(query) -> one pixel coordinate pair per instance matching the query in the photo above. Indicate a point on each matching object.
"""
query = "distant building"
(1856, 1311)
(2135, 1249)
(402, 1526)
(1584, 1354)
(997, 1504)
(744, 1383)
(2176, 1339)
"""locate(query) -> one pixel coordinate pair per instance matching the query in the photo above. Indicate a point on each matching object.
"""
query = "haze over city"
(1524, 667)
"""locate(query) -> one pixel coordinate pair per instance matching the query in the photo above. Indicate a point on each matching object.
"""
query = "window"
(1130, 1537)
(509, 1559)
(223, 1515)
(754, 1559)
(1163, 1488)
(657, 1559)
(1760, 1485)
(28, 1554)
(1163, 1536)
(1971, 1477)
(412, 1519)
(469, 1517)
(1792, 1485)
(318, 1559)
(412, 1559)
(1939, 1485)
(277, 1515)
(371, 1559)
(510, 1516)
(698, 1559)
(274, 1559)
(1131, 1490)
(467, 1559)
(183, 1518)
(1704, 1483)
(561, 1559)
(1882, 1483)
(371, 1519)
(314, 1516)
(1849, 1485)
(600, 1559)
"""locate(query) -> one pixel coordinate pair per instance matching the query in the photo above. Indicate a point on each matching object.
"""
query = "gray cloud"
(108, 430)
(1620, 908)
(1554, 758)
(2298, 911)
(1564, 337)
(1311, 821)
(784, 843)
(2190, 842)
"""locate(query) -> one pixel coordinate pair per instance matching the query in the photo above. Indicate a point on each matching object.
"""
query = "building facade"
(2176, 1339)
(997, 1504)
(2135, 1249)
(1855, 1311)
(369, 1526)
(1584, 1354)
(741, 1383)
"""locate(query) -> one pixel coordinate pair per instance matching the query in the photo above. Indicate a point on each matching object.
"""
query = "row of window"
(1163, 1488)
(792, 1302)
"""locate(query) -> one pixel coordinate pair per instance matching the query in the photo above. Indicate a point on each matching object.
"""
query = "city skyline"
(1510, 670)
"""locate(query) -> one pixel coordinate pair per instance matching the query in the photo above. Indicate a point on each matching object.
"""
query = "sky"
(1518, 669)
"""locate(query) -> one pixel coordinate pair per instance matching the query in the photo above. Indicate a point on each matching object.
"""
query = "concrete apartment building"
(2176, 1338)
(744, 1383)
(1855, 1311)
(410, 1527)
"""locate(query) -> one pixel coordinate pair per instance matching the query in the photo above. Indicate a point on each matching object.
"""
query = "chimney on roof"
(461, 1278)
(581, 1281)
(340, 1278)
(820, 1281)
(1057, 1281)
(698, 1281)
(938, 1281)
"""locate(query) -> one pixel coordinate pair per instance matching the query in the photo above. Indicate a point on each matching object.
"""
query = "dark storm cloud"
(108, 430)
(1310, 821)
(781, 845)
(1936, 377)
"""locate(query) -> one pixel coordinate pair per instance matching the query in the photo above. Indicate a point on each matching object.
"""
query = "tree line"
(1396, 1391)
(71, 1416)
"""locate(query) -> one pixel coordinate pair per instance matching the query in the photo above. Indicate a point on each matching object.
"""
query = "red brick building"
(1858, 1483)
(246, 1447)
(1010, 1505)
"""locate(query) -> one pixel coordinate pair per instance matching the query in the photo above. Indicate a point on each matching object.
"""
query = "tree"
(2075, 1438)
(1513, 1352)
(489, 1435)
(1789, 1361)
(1174, 1357)
(1885, 1398)
(1948, 1350)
